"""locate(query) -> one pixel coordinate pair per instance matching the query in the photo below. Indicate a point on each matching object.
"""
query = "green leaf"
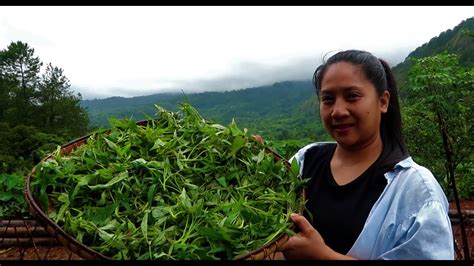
(295, 169)
(121, 176)
(184, 199)
(222, 181)
(237, 144)
(6, 196)
(158, 144)
(100, 215)
(112, 145)
(235, 131)
(14, 182)
(144, 225)
(151, 193)
(258, 158)
(212, 233)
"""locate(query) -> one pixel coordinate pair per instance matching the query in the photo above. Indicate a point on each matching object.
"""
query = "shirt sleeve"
(426, 235)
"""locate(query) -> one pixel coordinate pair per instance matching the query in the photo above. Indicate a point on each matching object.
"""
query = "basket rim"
(89, 254)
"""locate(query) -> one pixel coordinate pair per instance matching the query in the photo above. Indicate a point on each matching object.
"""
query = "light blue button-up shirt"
(408, 221)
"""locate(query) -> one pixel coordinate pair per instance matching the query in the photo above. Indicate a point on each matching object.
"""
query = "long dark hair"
(378, 72)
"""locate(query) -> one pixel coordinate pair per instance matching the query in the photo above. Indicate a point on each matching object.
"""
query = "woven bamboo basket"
(266, 252)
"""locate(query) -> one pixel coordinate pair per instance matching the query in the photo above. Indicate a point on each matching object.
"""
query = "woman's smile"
(342, 128)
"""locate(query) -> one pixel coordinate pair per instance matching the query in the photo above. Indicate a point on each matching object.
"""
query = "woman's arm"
(427, 235)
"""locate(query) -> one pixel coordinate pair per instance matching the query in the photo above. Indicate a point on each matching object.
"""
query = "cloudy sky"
(139, 50)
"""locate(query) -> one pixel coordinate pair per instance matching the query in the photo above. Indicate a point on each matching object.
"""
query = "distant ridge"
(455, 41)
(255, 107)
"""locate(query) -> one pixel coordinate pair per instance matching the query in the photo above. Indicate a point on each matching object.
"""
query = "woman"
(367, 198)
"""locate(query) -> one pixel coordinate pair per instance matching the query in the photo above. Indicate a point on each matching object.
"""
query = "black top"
(339, 212)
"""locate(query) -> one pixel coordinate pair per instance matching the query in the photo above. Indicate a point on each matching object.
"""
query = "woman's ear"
(384, 101)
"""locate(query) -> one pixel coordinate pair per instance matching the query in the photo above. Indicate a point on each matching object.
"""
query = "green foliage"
(44, 102)
(179, 187)
(37, 113)
(456, 41)
(288, 148)
(19, 70)
(59, 110)
(466, 182)
(440, 100)
(12, 202)
(23, 146)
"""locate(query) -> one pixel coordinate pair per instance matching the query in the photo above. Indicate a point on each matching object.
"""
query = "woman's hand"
(308, 243)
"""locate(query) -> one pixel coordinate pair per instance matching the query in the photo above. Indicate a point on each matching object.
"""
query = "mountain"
(281, 110)
(457, 41)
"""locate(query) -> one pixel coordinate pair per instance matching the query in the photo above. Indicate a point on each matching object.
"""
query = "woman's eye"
(352, 96)
(326, 99)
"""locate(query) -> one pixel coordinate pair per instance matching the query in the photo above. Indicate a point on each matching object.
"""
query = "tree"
(439, 116)
(4, 98)
(59, 108)
(36, 112)
(468, 32)
(19, 70)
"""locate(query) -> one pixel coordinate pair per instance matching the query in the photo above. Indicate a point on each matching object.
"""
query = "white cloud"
(136, 50)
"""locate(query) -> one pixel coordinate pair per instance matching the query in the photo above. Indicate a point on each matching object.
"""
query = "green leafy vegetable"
(178, 187)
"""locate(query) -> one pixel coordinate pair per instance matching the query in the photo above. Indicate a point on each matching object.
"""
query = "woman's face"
(350, 107)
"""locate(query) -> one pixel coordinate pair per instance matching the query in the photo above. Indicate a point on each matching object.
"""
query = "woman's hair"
(378, 72)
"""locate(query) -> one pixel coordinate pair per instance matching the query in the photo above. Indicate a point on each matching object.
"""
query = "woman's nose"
(339, 109)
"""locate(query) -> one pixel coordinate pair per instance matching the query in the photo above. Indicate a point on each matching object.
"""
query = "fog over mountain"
(141, 50)
(243, 75)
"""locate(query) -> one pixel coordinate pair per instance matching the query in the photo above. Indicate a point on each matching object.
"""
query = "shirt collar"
(405, 163)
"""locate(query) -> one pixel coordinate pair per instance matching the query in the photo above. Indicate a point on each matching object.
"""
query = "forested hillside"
(284, 110)
(456, 41)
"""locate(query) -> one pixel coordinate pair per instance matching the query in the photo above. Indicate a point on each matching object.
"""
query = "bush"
(12, 201)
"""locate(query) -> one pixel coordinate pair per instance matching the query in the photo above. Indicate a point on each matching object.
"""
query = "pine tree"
(19, 70)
